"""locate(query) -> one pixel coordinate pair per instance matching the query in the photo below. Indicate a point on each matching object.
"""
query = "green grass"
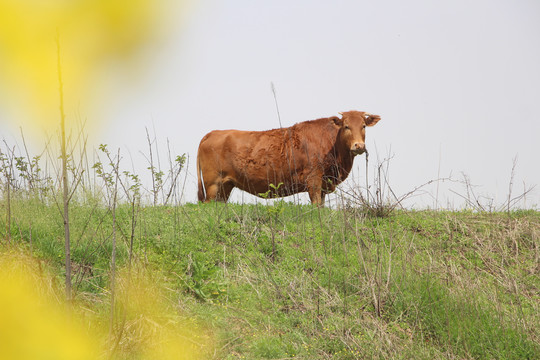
(291, 281)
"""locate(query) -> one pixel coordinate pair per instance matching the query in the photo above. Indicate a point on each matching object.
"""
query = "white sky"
(457, 84)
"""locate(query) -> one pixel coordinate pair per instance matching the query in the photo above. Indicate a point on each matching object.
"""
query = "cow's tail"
(201, 193)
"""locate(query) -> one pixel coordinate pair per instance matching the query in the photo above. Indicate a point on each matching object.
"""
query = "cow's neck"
(341, 163)
(346, 164)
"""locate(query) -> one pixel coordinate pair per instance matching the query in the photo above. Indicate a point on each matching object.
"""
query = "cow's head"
(352, 132)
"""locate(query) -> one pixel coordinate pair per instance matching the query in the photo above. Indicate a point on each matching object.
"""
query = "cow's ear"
(372, 119)
(337, 121)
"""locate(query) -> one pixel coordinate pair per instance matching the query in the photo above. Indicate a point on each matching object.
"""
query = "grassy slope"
(288, 281)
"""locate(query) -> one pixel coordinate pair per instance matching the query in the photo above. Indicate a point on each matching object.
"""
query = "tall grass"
(278, 279)
(464, 325)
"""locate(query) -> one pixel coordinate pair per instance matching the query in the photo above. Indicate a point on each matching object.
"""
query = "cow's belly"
(262, 172)
(271, 183)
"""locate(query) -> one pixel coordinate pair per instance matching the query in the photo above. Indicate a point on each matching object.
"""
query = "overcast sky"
(457, 84)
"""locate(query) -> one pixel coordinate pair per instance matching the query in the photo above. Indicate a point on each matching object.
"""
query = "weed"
(202, 283)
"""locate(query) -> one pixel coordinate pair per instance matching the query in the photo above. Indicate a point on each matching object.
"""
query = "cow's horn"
(340, 113)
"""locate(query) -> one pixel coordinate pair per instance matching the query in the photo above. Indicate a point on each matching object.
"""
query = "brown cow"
(312, 156)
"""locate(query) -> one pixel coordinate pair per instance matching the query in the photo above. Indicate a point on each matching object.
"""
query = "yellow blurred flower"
(36, 324)
(33, 324)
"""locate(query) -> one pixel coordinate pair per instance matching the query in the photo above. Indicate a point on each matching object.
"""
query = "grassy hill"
(285, 281)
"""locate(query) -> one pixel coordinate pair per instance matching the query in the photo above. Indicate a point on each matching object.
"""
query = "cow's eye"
(347, 127)
(364, 126)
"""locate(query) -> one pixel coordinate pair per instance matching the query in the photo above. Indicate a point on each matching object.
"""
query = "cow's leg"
(211, 192)
(225, 190)
(316, 196)
(315, 188)
(218, 189)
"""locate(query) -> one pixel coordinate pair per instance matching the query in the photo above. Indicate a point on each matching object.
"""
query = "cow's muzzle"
(358, 148)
